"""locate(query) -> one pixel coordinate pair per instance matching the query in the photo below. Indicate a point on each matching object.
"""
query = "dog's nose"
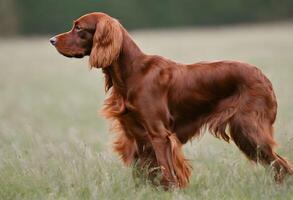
(53, 40)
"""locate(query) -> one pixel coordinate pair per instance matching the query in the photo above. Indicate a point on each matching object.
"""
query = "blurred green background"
(51, 16)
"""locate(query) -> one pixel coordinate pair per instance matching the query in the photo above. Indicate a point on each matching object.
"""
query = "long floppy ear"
(107, 42)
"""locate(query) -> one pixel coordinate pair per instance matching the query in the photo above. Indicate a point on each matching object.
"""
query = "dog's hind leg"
(254, 136)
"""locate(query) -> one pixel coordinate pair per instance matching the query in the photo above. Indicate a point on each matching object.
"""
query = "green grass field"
(55, 145)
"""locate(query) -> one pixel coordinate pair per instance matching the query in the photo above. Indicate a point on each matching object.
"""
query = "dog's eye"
(78, 28)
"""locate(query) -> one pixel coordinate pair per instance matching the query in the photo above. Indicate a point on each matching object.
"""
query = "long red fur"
(158, 105)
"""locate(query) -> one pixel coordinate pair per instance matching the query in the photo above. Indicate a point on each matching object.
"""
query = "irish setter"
(159, 104)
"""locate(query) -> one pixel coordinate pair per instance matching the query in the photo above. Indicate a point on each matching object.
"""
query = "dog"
(159, 105)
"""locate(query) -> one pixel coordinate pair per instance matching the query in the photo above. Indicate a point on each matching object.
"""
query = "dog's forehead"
(90, 19)
(87, 21)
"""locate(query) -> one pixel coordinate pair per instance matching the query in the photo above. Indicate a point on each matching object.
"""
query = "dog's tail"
(218, 121)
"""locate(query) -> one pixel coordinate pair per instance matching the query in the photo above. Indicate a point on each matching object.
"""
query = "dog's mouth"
(79, 55)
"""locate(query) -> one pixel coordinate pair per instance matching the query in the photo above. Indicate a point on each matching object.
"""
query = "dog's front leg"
(150, 108)
(175, 169)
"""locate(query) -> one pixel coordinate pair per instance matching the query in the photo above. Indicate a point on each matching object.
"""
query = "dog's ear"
(107, 42)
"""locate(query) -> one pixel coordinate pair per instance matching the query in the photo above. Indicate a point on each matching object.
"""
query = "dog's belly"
(186, 129)
(187, 117)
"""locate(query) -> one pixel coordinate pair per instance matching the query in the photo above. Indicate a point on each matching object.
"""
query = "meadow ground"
(55, 145)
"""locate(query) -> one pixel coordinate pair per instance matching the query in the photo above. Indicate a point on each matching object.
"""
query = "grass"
(55, 145)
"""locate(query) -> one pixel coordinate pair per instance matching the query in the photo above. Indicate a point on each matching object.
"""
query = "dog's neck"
(120, 70)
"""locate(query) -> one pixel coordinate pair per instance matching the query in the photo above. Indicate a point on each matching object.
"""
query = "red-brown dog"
(160, 104)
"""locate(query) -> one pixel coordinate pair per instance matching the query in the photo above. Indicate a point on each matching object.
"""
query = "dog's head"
(96, 34)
